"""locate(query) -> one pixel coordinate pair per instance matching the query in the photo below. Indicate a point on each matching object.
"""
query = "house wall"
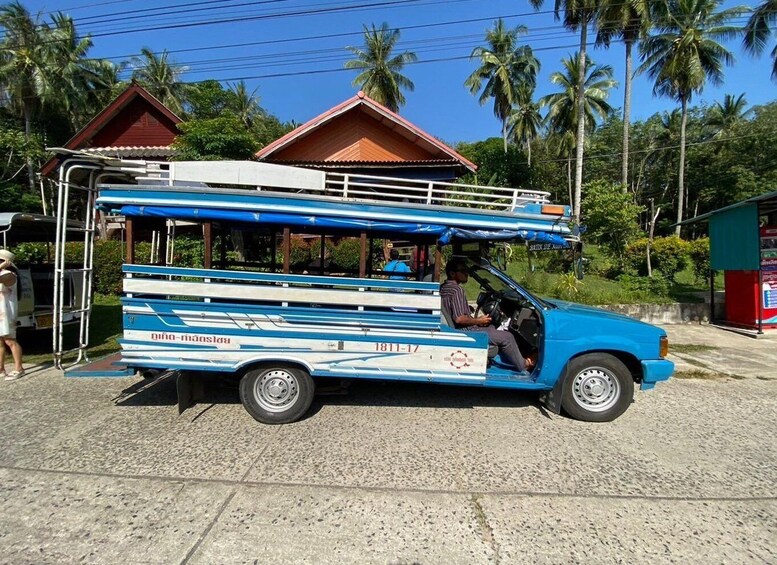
(353, 137)
(138, 124)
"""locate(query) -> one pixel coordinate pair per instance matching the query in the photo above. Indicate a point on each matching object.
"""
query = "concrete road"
(105, 471)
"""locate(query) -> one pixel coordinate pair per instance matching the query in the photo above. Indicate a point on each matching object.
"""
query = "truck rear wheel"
(277, 394)
(597, 388)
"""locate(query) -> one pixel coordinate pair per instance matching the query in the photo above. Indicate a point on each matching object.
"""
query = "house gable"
(354, 136)
(138, 124)
(363, 134)
(134, 124)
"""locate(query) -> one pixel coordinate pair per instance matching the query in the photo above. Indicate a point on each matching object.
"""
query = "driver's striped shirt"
(454, 301)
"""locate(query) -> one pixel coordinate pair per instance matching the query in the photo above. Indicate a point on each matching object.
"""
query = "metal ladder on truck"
(79, 173)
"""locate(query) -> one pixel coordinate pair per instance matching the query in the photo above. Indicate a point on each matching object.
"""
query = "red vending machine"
(752, 295)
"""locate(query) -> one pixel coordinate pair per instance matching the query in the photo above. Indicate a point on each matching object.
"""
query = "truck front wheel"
(597, 388)
(278, 394)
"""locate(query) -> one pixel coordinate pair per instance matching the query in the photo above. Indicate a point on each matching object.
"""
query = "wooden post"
(437, 261)
(129, 226)
(286, 250)
(363, 255)
(207, 229)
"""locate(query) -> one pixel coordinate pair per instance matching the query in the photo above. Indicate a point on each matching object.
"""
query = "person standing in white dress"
(8, 315)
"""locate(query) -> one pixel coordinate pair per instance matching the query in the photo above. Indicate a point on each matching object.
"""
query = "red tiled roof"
(399, 124)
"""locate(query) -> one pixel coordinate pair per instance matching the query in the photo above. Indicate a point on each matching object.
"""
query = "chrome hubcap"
(596, 389)
(276, 390)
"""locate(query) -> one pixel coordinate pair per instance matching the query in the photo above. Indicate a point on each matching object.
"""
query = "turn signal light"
(663, 346)
(553, 210)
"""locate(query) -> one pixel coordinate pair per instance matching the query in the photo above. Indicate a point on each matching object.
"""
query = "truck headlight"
(663, 346)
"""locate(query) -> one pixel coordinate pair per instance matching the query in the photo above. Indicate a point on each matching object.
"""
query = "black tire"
(597, 388)
(277, 394)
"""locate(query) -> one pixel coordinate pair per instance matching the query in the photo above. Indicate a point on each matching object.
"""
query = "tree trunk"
(27, 135)
(569, 178)
(580, 137)
(681, 179)
(528, 151)
(626, 118)
(504, 133)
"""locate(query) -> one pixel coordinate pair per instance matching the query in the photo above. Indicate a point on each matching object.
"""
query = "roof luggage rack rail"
(345, 187)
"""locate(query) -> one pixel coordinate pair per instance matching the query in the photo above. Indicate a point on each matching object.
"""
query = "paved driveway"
(105, 471)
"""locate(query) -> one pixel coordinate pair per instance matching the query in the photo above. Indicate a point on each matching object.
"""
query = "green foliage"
(189, 251)
(207, 100)
(224, 137)
(108, 259)
(568, 286)
(699, 255)
(495, 167)
(32, 252)
(669, 255)
(299, 253)
(346, 253)
(610, 216)
(17, 198)
(656, 285)
(315, 248)
(380, 71)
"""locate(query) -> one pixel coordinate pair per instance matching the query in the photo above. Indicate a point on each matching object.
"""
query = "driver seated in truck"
(454, 301)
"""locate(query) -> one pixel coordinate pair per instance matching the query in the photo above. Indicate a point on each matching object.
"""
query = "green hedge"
(669, 255)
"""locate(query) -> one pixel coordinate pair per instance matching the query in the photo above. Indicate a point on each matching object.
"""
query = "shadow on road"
(224, 390)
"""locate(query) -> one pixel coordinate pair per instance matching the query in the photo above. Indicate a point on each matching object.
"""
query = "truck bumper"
(654, 371)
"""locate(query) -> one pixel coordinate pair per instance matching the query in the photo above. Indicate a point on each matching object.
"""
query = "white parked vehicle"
(36, 279)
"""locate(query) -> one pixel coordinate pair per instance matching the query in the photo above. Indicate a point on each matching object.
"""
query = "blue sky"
(440, 104)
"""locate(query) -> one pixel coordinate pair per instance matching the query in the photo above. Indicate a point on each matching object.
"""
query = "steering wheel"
(488, 305)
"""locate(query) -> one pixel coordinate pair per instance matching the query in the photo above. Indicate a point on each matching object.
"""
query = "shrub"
(611, 217)
(346, 253)
(108, 258)
(568, 286)
(315, 248)
(31, 253)
(699, 254)
(669, 255)
(656, 285)
(188, 252)
(299, 253)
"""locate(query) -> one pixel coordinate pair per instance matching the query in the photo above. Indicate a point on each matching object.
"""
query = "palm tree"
(564, 106)
(757, 31)
(246, 105)
(504, 68)
(381, 75)
(628, 21)
(525, 121)
(75, 78)
(577, 15)
(160, 77)
(25, 66)
(683, 55)
(723, 117)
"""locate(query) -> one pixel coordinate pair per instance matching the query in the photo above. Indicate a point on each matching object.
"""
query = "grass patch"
(706, 375)
(698, 374)
(106, 328)
(690, 348)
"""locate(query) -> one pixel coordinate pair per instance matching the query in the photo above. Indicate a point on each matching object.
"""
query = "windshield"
(484, 277)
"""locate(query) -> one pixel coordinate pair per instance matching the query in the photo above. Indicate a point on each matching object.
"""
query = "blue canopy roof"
(444, 234)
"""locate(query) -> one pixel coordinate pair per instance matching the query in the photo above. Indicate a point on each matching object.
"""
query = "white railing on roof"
(356, 187)
(340, 186)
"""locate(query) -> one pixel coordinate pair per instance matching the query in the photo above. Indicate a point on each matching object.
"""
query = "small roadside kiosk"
(743, 244)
